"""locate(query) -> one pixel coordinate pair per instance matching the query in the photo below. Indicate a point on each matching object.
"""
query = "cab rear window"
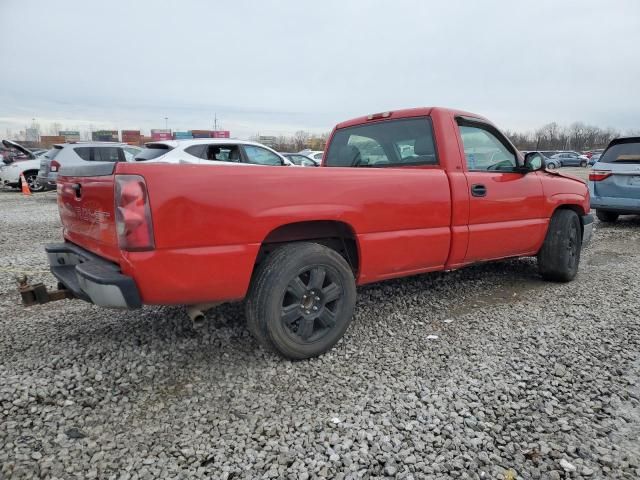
(627, 152)
(390, 143)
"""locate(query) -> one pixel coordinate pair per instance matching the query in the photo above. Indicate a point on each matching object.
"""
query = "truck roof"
(407, 113)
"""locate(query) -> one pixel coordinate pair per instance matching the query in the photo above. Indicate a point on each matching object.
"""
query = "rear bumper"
(47, 181)
(92, 278)
(616, 204)
(587, 229)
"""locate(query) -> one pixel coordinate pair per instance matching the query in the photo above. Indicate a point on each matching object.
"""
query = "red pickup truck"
(398, 193)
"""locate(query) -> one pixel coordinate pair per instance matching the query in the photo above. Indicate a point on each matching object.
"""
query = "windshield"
(390, 143)
(627, 152)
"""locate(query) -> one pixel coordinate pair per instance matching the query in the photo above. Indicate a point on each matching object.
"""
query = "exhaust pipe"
(196, 313)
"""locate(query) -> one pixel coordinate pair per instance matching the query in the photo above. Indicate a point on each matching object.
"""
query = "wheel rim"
(551, 166)
(310, 304)
(32, 181)
(572, 246)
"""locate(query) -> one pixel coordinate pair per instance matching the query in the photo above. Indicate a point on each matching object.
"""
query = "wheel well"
(29, 171)
(338, 236)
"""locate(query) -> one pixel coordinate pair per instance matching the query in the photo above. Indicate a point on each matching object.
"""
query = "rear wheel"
(551, 166)
(583, 163)
(32, 180)
(606, 216)
(301, 300)
(559, 257)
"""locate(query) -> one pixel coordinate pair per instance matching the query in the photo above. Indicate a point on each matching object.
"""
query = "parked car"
(594, 158)
(300, 160)
(549, 163)
(296, 244)
(211, 151)
(12, 168)
(312, 154)
(614, 181)
(571, 159)
(79, 153)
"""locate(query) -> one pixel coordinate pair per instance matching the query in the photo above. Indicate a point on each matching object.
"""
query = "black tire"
(606, 216)
(583, 163)
(559, 257)
(31, 176)
(551, 166)
(294, 308)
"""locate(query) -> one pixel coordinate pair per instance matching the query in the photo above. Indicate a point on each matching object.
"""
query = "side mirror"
(533, 162)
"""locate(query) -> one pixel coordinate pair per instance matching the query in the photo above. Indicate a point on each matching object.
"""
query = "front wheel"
(551, 166)
(559, 257)
(301, 300)
(606, 216)
(583, 163)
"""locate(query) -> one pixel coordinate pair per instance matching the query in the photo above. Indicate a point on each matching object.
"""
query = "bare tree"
(300, 140)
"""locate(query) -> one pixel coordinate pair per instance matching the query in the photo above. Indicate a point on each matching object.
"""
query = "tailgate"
(86, 205)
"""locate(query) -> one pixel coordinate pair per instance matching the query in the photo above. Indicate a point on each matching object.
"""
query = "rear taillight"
(54, 166)
(133, 214)
(597, 175)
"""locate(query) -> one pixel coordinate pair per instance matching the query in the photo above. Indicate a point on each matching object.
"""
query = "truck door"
(505, 206)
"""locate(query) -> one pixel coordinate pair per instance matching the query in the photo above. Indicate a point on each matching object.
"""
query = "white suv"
(211, 151)
(78, 153)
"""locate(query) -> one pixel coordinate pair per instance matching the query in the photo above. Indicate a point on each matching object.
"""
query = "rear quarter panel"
(209, 222)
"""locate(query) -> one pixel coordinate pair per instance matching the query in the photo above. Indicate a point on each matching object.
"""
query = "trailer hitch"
(38, 293)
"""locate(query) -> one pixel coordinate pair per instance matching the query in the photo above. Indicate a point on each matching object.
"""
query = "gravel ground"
(487, 372)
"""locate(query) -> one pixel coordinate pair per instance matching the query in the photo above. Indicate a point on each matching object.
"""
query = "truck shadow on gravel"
(450, 293)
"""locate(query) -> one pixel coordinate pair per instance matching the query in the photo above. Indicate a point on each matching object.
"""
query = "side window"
(222, 153)
(196, 150)
(84, 153)
(108, 154)
(261, 156)
(484, 151)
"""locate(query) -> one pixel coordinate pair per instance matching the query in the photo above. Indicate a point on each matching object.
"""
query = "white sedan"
(10, 173)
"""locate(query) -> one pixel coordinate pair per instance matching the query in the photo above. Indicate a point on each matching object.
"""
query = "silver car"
(77, 153)
(614, 180)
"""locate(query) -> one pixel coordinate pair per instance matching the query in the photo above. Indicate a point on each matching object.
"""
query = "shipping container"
(70, 135)
(50, 140)
(182, 135)
(104, 136)
(220, 134)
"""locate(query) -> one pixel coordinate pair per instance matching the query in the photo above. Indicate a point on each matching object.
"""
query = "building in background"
(70, 135)
(267, 140)
(32, 134)
(105, 136)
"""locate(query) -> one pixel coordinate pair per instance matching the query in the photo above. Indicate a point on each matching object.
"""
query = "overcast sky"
(274, 67)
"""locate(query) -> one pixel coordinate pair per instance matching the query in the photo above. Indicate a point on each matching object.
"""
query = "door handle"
(478, 190)
(77, 188)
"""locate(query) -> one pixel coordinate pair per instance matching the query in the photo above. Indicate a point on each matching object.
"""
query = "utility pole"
(166, 123)
(215, 122)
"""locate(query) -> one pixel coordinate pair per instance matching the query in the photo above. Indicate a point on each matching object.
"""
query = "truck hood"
(17, 146)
